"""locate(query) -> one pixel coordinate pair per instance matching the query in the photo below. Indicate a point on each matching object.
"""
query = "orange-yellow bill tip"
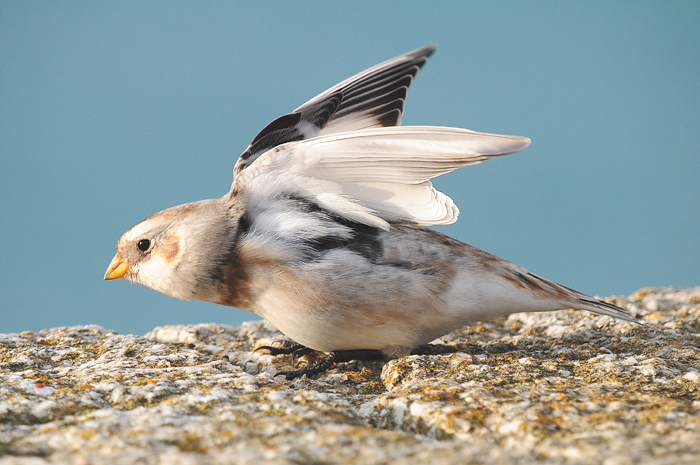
(117, 268)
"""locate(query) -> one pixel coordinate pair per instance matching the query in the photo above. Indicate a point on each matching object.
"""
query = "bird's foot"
(311, 369)
(331, 360)
(286, 348)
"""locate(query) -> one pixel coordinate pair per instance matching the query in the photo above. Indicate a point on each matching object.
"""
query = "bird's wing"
(377, 175)
(372, 98)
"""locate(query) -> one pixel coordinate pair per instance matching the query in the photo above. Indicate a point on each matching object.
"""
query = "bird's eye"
(144, 244)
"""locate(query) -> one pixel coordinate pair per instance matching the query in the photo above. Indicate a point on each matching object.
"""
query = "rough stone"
(561, 387)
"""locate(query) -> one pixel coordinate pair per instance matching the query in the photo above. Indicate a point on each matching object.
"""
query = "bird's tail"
(592, 304)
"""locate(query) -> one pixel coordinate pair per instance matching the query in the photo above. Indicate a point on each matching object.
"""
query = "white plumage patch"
(157, 274)
(376, 175)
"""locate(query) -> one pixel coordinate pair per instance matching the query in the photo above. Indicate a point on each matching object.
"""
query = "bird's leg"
(331, 360)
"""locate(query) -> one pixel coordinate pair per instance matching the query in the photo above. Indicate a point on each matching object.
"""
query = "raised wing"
(372, 98)
(377, 175)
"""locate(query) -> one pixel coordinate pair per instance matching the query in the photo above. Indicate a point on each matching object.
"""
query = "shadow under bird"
(323, 231)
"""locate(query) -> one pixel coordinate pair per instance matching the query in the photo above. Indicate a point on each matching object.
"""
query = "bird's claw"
(286, 348)
(311, 369)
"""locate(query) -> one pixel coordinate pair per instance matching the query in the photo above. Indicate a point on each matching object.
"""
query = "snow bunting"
(323, 230)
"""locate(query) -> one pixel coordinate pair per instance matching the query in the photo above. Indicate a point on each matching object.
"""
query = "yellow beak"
(117, 268)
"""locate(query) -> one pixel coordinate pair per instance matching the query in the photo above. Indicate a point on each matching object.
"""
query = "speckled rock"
(560, 387)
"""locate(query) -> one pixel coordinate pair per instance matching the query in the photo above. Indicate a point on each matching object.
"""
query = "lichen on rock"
(559, 387)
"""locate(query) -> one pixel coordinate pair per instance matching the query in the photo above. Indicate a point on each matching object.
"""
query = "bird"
(325, 231)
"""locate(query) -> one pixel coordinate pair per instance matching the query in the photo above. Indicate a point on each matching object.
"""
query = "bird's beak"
(117, 268)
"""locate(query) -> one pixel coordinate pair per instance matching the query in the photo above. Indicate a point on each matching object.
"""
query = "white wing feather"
(376, 175)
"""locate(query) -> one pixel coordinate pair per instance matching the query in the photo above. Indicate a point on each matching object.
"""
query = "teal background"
(112, 111)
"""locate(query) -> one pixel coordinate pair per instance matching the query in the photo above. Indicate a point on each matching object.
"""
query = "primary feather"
(372, 98)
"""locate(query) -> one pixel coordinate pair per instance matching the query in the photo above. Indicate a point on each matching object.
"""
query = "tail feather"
(605, 308)
(547, 290)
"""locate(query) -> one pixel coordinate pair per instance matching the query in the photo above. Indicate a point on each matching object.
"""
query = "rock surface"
(560, 387)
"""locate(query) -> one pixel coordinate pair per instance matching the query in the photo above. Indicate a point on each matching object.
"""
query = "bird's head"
(178, 251)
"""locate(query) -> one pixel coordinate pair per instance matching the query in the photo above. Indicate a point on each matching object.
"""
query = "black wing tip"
(391, 116)
(426, 51)
(285, 128)
(420, 56)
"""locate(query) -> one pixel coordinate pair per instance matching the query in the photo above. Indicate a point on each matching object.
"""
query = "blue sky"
(112, 111)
